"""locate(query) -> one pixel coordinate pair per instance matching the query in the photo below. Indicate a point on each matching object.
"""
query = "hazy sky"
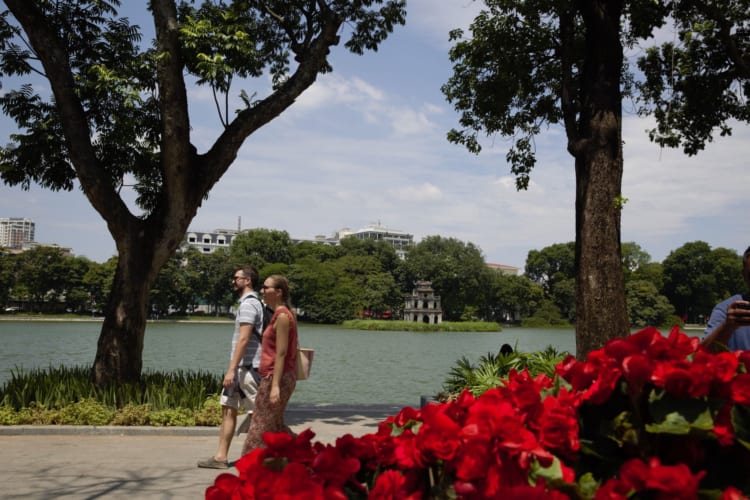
(367, 144)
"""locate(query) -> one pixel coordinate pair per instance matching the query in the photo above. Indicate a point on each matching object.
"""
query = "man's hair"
(252, 273)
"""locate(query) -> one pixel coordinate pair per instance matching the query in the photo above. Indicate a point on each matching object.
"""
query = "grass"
(409, 326)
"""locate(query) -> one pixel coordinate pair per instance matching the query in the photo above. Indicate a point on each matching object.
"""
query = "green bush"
(85, 412)
(491, 368)
(179, 417)
(66, 396)
(132, 415)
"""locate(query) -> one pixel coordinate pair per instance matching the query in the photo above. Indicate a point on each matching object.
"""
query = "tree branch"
(54, 59)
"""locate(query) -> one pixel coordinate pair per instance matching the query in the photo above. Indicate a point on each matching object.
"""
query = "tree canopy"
(527, 65)
(118, 113)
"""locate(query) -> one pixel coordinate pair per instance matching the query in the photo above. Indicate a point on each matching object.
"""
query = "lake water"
(350, 366)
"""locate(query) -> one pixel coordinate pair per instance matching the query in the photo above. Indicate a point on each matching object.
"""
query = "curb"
(104, 430)
(296, 414)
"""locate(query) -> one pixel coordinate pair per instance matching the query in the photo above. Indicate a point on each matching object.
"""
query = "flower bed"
(647, 416)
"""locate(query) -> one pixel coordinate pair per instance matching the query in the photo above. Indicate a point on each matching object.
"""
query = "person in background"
(729, 324)
(240, 384)
(278, 365)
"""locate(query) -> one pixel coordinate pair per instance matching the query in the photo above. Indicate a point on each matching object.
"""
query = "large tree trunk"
(141, 255)
(120, 346)
(601, 312)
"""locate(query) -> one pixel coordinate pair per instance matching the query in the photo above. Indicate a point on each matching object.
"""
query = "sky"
(367, 144)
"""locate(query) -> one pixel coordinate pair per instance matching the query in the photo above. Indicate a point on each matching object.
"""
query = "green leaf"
(741, 424)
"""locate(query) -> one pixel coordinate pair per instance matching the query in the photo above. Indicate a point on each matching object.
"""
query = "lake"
(350, 366)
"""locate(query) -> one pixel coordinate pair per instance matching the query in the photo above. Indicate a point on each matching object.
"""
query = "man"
(241, 381)
(729, 324)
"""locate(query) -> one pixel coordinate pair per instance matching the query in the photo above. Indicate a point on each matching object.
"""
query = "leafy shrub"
(492, 367)
(85, 412)
(132, 414)
(65, 395)
(179, 417)
(210, 414)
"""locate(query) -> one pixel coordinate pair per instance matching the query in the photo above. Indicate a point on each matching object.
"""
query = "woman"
(278, 364)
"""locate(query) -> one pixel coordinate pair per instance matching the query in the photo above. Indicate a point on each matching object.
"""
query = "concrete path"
(79, 462)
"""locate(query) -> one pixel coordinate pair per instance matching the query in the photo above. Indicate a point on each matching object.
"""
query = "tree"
(43, 271)
(119, 111)
(646, 307)
(553, 268)
(261, 246)
(701, 83)
(511, 298)
(212, 272)
(531, 64)
(98, 280)
(690, 280)
(7, 280)
(456, 269)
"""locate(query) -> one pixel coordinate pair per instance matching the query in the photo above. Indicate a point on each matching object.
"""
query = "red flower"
(472, 460)
(637, 370)
(330, 466)
(667, 481)
(740, 389)
(225, 486)
(405, 451)
(732, 493)
(613, 489)
(559, 428)
(723, 428)
(393, 485)
(438, 436)
(676, 378)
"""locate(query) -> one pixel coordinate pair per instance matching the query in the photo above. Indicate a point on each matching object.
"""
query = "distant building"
(16, 233)
(423, 305)
(399, 240)
(319, 238)
(502, 268)
(209, 242)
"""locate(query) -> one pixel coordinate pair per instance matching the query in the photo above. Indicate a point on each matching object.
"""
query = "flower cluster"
(649, 415)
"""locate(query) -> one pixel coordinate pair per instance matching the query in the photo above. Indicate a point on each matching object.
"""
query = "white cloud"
(421, 193)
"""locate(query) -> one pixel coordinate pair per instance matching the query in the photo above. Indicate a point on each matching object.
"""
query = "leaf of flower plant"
(695, 413)
(676, 423)
(741, 424)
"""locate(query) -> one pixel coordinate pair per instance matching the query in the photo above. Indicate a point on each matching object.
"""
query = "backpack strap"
(263, 320)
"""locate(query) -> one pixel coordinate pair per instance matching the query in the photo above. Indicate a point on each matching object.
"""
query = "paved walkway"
(80, 462)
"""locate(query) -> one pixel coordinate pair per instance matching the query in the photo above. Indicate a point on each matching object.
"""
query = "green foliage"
(697, 277)
(491, 368)
(259, 247)
(412, 326)
(456, 269)
(64, 386)
(85, 412)
(646, 307)
(545, 316)
(337, 289)
(700, 83)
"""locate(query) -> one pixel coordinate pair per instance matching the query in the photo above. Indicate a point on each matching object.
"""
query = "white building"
(209, 242)
(16, 233)
(399, 240)
(503, 269)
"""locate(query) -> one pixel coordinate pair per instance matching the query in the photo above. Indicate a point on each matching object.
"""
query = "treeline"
(331, 284)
